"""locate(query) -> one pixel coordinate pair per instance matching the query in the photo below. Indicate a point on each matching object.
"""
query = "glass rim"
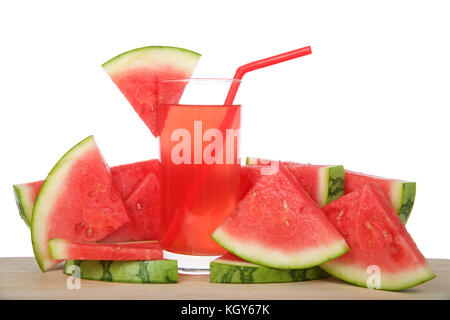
(205, 80)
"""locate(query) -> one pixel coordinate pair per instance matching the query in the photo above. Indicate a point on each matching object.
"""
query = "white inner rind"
(27, 204)
(152, 58)
(277, 257)
(388, 281)
(235, 263)
(48, 195)
(58, 248)
(396, 194)
(323, 185)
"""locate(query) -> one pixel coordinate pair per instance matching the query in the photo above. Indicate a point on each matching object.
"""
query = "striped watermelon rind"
(154, 271)
(24, 202)
(331, 184)
(408, 195)
(223, 270)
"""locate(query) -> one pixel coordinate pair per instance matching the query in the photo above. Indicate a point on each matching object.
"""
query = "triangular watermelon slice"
(25, 194)
(278, 225)
(137, 71)
(127, 177)
(62, 249)
(382, 254)
(400, 193)
(77, 202)
(323, 183)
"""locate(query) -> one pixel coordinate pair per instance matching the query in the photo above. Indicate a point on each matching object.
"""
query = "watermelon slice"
(62, 249)
(154, 271)
(278, 225)
(77, 202)
(127, 177)
(25, 195)
(380, 246)
(401, 193)
(136, 73)
(323, 183)
(232, 269)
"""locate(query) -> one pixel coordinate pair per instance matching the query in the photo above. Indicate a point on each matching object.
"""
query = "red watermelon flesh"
(127, 177)
(323, 183)
(249, 176)
(77, 201)
(400, 193)
(278, 225)
(62, 249)
(377, 239)
(137, 72)
(306, 175)
(144, 209)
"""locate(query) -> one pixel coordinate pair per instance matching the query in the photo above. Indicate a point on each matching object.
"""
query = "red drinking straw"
(227, 121)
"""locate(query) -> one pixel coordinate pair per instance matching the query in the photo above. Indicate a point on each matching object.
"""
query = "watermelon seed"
(368, 225)
(79, 226)
(139, 206)
(340, 214)
(285, 205)
(385, 233)
(89, 232)
(287, 223)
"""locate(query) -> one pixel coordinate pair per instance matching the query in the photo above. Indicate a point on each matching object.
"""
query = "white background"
(374, 95)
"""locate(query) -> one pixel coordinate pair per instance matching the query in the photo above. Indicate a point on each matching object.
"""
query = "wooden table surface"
(20, 278)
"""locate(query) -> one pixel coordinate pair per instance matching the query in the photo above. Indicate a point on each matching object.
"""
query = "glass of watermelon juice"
(200, 168)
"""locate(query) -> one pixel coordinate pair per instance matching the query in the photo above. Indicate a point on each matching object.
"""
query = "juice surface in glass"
(200, 170)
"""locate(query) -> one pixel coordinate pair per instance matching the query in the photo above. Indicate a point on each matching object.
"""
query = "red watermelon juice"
(200, 171)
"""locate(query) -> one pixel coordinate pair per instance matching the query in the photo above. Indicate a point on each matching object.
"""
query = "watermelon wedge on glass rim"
(137, 71)
(382, 254)
(77, 201)
(277, 224)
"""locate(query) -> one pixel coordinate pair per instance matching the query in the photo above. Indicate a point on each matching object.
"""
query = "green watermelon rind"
(332, 180)
(390, 282)
(408, 195)
(24, 204)
(231, 271)
(154, 271)
(122, 61)
(42, 205)
(266, 256)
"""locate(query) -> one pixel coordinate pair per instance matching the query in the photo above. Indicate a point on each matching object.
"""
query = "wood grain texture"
(20, 278)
